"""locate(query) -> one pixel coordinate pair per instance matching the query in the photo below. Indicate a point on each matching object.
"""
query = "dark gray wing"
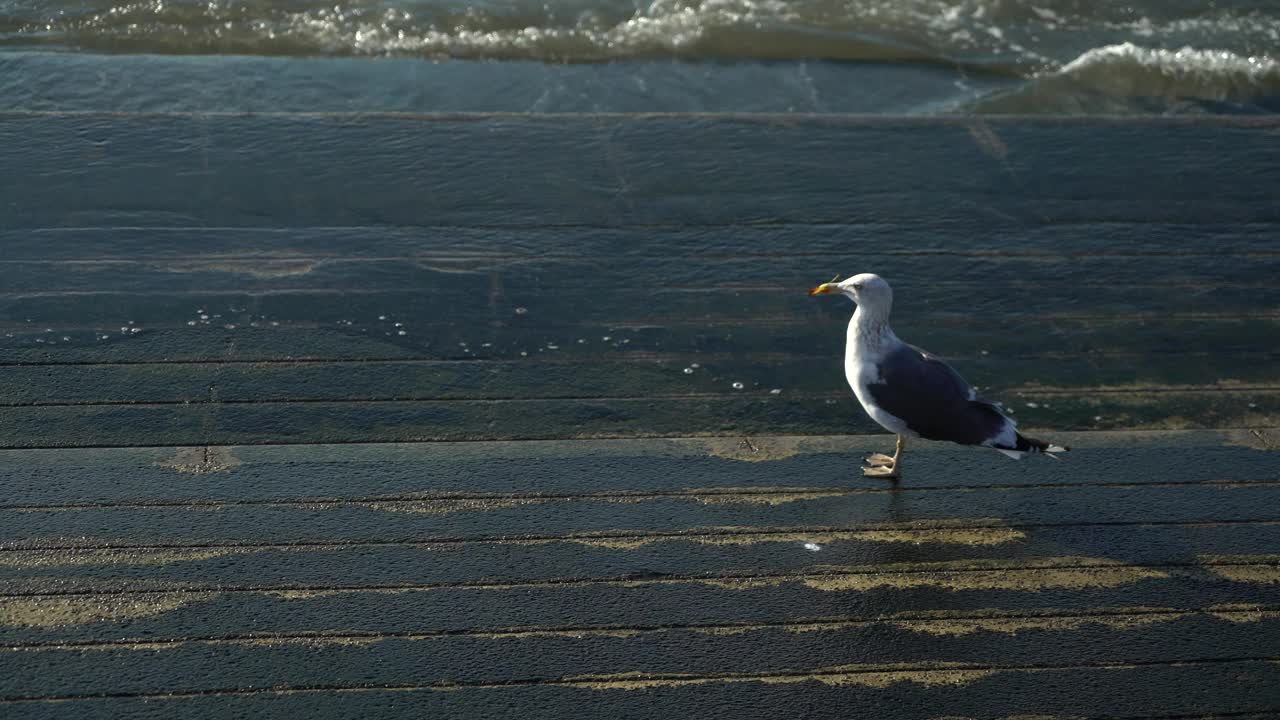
(933, 400)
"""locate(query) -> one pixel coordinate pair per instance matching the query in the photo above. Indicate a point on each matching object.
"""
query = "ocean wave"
(947, 31)
(1084, 52)
(1125, 77)
(484, 31)
(1212, 74)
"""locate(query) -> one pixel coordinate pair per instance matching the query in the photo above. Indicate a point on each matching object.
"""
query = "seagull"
(912, 393)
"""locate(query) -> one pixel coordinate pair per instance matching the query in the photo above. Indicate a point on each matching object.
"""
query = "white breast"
(860, 362)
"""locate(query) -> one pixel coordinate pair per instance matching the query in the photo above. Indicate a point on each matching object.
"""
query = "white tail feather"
(1049, 451)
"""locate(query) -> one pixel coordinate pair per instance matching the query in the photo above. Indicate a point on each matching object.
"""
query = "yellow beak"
(825, 288)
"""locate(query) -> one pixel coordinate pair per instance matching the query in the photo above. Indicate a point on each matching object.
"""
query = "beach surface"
(510, 415)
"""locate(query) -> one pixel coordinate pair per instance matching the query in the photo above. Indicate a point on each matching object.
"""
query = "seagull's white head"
(868, 290)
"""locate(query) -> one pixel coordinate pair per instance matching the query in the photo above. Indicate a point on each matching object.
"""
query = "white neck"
(869, 334)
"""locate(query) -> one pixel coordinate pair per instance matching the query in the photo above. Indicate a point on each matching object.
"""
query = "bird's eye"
(857, 286)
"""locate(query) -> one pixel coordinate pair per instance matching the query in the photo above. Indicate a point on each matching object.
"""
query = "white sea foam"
(1126, 77)
(1128, 69)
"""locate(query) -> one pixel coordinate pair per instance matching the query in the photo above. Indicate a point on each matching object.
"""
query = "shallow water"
(914, 56)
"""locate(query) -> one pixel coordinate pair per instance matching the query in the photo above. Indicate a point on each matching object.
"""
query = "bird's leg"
(884, 466)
